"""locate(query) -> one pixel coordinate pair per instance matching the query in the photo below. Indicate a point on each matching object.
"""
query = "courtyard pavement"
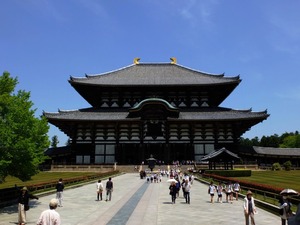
(135, 202)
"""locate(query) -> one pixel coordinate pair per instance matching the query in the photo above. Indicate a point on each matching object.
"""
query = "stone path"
(136, 202)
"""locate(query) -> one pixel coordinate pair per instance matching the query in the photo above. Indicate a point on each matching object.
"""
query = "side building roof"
(276, 151)
(221, 153)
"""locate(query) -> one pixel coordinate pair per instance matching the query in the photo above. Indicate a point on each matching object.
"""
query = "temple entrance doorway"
(164, 153)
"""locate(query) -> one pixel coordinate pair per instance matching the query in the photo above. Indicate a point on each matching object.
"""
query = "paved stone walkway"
(135, 202)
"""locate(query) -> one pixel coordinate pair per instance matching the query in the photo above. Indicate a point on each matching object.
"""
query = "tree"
(270, 141)
(54, 141)
(292, 141)
(23, 137)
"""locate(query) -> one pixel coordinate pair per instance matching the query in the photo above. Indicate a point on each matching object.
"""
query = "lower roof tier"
(238, 120)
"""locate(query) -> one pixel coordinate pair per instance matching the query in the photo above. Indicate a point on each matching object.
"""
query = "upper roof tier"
(155, 74)
(146, 80)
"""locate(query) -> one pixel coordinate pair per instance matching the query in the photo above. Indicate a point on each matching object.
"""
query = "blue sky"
(44, 42)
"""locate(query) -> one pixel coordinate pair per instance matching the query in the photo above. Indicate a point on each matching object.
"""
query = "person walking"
(23, 204)
(220, 192)
(236, 189)
(249, 208)
(285, 209)
(229, 194)
(50, 216)
(182, 187)
(211, 191)
(178, 186)
(109, 189)
(59, 191)
(173, 191)
(187, 189)
(99, 186)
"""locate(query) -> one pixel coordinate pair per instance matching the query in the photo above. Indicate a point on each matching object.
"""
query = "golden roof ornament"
(136, 60)
(173, 60)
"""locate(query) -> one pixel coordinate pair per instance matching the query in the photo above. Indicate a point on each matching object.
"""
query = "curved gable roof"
(155, 74)
(221, 153)
(157, 107)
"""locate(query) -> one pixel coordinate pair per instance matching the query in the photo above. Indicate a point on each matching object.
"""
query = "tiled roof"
(58, 151)
(216, 153)
(223, 115)
(277, 151)
(155, 74)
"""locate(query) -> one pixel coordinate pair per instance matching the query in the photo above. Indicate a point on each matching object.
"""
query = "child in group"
(229, 193)
(237, 189)
(219, 192)
(211, 191)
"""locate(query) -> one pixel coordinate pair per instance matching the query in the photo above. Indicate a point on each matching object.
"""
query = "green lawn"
(281, 179)
(43, 177)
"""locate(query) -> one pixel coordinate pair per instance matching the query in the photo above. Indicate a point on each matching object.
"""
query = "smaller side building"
(221, 159)
(266, 156)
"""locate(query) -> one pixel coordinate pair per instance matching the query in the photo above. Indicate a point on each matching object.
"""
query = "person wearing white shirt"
(99, 187)
(187, 189)
(50, 216)
(249, 208)
(211, 191)
(237, 189)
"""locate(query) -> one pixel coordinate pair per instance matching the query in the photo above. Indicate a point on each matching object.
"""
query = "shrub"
(287, 165)
(230, 173)
(276, 166)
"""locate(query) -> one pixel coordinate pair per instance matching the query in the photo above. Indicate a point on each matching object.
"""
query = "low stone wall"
(83, 168)
(108, 168)
(246, 166)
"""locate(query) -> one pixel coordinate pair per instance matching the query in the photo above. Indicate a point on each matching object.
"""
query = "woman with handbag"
(23, 205)
(285, 209)
(99, 186)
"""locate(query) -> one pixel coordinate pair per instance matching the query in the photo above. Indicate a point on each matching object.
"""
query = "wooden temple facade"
(162, 109)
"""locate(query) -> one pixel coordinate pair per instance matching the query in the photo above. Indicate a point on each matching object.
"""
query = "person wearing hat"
(23, 204)
(249, 208)
(50, 216)
(285, 209)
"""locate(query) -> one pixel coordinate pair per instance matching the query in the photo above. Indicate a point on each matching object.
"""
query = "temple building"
(165, 110)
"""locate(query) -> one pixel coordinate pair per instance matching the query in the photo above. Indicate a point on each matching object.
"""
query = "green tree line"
(286, 140)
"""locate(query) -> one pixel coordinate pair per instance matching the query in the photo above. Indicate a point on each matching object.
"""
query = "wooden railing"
(9, 196)
(265, 199)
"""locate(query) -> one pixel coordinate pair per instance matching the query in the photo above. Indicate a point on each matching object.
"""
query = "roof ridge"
(91, 76)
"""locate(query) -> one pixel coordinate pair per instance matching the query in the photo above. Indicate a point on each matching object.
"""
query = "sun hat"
(249, 192)
(24, 189)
